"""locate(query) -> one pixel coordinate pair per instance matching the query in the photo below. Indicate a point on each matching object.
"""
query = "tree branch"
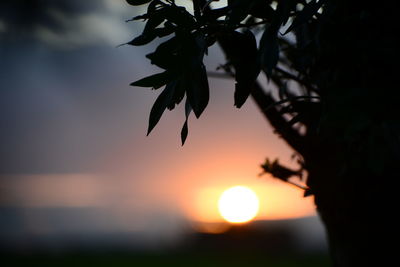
(276, 119)
(297, 79)
(267, 106)
(280, 124)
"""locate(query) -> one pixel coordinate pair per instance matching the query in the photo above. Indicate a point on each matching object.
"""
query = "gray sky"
(73, 130)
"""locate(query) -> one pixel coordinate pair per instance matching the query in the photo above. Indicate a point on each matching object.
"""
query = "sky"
(74, 152)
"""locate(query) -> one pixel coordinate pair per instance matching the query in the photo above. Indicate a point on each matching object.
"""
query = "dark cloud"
(63, 84)
(65, 24)
(20, 18)
(61, 110)
(35, 20)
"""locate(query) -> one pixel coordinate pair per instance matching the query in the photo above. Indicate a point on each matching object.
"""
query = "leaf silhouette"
(305, 14)
(269, 50)
(198, 90)
(161, 103)
(185, 129)
(155, 81)
(137, 2)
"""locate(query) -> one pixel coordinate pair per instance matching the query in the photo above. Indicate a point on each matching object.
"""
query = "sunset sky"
(73, 132)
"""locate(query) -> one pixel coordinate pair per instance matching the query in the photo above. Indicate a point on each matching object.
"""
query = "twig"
(305, 188)
(291, 99)
(295, 78)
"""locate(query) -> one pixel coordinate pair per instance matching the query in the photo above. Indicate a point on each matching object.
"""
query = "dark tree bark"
(352, 170)
(352, 160)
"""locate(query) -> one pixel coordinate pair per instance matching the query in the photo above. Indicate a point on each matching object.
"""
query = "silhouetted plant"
(328, 63)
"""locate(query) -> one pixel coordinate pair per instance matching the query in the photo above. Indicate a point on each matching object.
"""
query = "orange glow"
(211, 228)
(224, 149)
(277, 199)
(238, 204)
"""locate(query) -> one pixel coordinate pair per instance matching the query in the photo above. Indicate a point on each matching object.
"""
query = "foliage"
(319, 56)
(332, 95)
(190, 35)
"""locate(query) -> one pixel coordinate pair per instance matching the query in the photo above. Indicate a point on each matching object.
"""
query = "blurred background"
(81, 184)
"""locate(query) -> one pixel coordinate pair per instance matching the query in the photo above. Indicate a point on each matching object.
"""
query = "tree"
(332, 65)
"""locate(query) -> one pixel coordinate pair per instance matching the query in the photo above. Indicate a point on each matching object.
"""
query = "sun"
(238, 204)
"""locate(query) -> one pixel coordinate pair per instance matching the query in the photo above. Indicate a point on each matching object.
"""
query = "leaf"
(153, 6)
(242, 92)
(283, 11)
(161, 103)
(162, 32)
(184, 132)
(151, 31)
(137, 2)
(178, 95)
(305, 14)
(179, 16)
(241, 51)
(198, 90)
(143, 39)
(269, 50)
(213, 14)
(144, 17)
(164, 56)
(195, 75)
(185, 129)
(155, 81)
(279, 171)
(246, 67)
(238, 11)
(261, 9)
(200, 43)
(155, 20)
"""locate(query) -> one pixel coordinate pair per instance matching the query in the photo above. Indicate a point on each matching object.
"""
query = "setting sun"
(238, 204)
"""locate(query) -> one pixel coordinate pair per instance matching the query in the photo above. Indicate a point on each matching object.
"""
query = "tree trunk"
(353, 156)
(354, 210)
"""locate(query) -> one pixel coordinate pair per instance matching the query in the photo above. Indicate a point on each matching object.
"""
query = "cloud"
(83, 30)
(21, 15)
(67, 24)
(72, 24)
(105, 26)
